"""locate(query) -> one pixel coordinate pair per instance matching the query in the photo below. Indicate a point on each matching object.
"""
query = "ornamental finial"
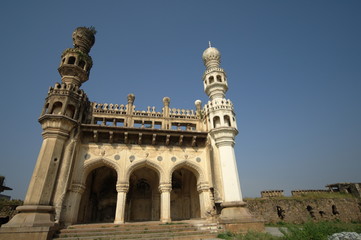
(209, 44)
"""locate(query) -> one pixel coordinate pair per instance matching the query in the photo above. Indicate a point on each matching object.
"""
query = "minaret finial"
(209, 44)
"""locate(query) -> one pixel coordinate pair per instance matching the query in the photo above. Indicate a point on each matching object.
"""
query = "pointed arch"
(144, 163)
(92, 164)
(198, 172)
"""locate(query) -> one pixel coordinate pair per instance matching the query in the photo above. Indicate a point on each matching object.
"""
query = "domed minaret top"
(214, 77)
(211, 57)
(83, 38)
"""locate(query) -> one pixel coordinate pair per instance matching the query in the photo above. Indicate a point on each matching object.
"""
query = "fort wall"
(300, 210)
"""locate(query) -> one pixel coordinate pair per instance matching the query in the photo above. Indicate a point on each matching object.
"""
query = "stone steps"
(146, 230)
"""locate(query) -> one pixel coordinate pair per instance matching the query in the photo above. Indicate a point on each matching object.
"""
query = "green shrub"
(248, 236)
(317, 231)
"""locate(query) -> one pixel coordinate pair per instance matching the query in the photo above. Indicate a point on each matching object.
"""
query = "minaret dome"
(211, 57)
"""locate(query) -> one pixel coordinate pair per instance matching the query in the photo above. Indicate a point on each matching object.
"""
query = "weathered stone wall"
(295, 210)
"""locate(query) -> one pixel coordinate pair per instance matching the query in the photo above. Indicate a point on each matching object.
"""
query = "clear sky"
(293, 67)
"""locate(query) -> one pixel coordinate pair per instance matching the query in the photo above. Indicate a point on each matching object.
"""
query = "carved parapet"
(106, 108)
(116, 109)
(214, 69)
(182, 113)
(272, 193)
(64, 89)
(217, 104)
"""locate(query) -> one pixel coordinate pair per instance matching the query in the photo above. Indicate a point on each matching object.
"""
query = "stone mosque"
(113, 163)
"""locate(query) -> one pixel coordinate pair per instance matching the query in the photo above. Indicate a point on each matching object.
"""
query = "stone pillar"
(165, 189)
(129, 110)
(166, 123)
(122, 190)
(64, 176)
(75, 194)
(206, 206)
(229, 171)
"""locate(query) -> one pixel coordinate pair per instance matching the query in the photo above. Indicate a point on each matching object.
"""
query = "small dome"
(211, 57)
(210, 54)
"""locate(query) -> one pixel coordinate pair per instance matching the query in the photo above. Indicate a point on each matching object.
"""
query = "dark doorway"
(184, 195)
(143, 198)
(99, 200)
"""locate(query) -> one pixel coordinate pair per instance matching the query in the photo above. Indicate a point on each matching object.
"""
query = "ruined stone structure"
(104, 162)
(307, 192)
(351, 188)
(272, 193)
(305, 205)
(300, 210)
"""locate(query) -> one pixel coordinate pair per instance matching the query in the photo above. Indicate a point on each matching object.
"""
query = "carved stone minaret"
(63, 111)
(223, 129)
(222, 124)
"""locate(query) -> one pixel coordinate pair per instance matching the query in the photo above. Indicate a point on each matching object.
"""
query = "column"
(165, 189)
(72, 208)
(206, 205)
(231, 185)
(122, 190)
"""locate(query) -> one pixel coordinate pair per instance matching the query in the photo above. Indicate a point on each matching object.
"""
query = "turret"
(75, 62)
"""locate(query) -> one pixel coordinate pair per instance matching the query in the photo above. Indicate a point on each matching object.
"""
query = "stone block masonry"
(300, 210)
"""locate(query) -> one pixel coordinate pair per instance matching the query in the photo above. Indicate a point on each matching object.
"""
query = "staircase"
(181, 230)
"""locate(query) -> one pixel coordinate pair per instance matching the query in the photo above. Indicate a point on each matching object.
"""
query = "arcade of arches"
(143, 196)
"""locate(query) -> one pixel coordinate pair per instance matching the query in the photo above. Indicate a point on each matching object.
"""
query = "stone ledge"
(27, 233)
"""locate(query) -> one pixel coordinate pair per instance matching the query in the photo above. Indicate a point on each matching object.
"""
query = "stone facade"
(104, 162)
(294, 210)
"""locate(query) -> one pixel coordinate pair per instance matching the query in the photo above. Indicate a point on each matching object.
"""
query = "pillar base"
(32, 216)
(235, 217)
(33, 222)
(165, 220)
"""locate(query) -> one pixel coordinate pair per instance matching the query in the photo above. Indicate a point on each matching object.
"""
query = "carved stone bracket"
(165, 187)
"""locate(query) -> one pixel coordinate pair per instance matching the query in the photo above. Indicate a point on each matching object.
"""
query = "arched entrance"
(143, 198)
(184, 196)
(99, 200)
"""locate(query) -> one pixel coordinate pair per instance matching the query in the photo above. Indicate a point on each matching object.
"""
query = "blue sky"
(293, 67)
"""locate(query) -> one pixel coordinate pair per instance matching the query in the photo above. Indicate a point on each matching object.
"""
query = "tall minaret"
(62, 113)
(222, 124)
(223, 129)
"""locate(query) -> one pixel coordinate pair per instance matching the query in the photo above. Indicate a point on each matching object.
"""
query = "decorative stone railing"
(218, 104)
(65, 89)
(121, 109)
(212, 70)
(109, 108)
(182, 113)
